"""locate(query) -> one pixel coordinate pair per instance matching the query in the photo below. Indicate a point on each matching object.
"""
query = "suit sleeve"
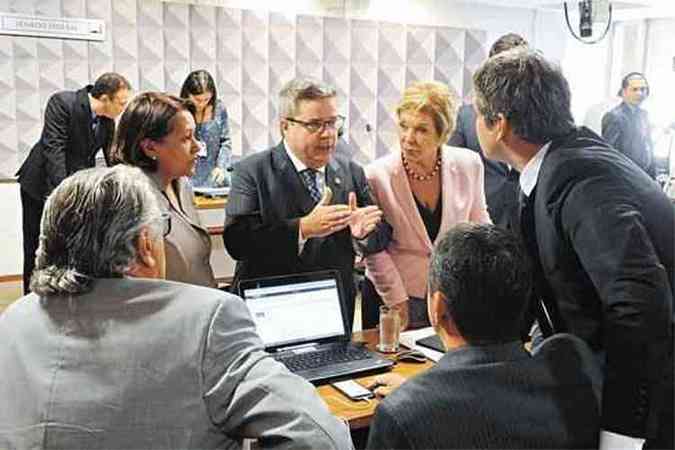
(249, 395)
(479, 212)
(380, 237)
(608, 234)
(381, 268)
(458, 139)
(246, 234)
(385, 433)
(611, 130)
(55, 140)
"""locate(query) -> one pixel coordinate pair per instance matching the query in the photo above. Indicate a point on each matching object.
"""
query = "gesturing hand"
(363, 220)
(217, 176)
(325, 219)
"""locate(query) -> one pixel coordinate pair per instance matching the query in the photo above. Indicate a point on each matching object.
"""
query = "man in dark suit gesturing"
(77, 125)
(297, 207)
(601, 234)
(487, 391)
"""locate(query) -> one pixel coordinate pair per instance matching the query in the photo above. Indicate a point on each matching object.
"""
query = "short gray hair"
(90, 228)
(299, 89)
(531, 93)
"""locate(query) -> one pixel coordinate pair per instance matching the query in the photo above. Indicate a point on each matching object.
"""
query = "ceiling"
(623, 9)
(557, 4)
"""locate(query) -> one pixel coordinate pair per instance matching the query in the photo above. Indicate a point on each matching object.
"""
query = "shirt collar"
(299, 165)
(530, 173)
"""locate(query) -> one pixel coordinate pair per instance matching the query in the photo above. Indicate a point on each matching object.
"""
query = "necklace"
(418, 177)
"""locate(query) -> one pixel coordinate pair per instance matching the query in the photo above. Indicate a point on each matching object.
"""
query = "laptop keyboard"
(313, 360)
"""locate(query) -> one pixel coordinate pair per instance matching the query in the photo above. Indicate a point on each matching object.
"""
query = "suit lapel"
(290, 179)
(335, 181)
(448, 187)
(403, 192)
(187, 203)
(83, 115)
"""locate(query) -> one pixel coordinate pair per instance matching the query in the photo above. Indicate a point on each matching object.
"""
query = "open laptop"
(302, 322)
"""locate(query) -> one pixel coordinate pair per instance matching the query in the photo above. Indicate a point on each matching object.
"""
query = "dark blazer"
(67, 143)
(497, 397)
(605, 234)
(268, 198)
(501, 183)
(627, 130)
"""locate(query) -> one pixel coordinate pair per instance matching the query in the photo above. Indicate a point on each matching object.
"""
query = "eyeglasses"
(166, 223)
(316, 126)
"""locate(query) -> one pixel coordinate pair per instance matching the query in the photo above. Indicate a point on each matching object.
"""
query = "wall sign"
(52, 27)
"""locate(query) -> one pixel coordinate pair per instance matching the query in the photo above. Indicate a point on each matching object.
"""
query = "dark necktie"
(97, 133)
(309, 179)
(544, 307)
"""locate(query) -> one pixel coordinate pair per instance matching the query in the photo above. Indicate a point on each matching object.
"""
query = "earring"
(153, 157)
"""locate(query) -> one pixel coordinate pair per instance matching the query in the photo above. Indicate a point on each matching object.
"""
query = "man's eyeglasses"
(165, 218)
(316, 126)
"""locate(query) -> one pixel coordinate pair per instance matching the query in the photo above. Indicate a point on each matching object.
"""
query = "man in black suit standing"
(77, 125)
(626, 126)
(601, 234)
(501, 180)
(298, 207)
(487, 391)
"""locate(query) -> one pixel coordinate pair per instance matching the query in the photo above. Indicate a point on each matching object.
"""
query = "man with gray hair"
(298, 207)
(601, 235)
(105, 354)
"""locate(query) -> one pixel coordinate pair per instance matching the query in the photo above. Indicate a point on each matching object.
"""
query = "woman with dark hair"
(212, 128)
(157, 133)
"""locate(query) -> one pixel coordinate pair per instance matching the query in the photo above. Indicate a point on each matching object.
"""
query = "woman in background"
(212, 128)
(157, 133)
(424, 190)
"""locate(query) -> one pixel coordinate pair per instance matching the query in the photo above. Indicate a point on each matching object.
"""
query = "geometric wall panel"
(250, 53)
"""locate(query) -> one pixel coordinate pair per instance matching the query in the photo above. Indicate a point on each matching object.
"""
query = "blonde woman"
(424, 190)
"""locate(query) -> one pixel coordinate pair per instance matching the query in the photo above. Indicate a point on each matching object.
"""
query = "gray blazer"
(188, 246)
(497, 397)
(149, 364)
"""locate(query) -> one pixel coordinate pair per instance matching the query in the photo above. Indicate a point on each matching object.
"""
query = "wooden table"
(359, 414)
(209, 203)
(202, 202)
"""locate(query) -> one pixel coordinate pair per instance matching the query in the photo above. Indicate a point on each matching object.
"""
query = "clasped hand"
(326, 219)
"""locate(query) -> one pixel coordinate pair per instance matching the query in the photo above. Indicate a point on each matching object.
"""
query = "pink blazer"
(400, 271)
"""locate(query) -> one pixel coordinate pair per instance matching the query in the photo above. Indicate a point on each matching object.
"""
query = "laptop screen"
(297, 312)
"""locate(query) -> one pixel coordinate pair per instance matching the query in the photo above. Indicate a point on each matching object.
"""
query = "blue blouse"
(215, 133)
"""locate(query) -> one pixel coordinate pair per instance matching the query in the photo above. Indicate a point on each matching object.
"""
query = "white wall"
(11, 260)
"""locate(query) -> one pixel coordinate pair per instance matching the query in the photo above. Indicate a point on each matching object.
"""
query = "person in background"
(501, 180)
(77, 125)
(626, 127)
(157, 134)
(106, 354)
(601, 234)
(298, 207)
(424, 189)
(487, 391)
(213, 129)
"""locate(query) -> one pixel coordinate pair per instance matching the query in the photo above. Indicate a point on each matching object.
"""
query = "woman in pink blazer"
(423, 190)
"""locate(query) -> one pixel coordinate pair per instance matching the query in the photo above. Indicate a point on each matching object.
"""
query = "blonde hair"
(435, 99)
